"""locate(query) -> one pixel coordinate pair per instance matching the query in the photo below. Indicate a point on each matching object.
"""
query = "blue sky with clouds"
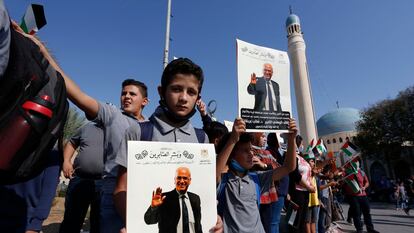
(359, 52)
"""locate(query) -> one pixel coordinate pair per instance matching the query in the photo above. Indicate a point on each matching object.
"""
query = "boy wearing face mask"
(239, 189)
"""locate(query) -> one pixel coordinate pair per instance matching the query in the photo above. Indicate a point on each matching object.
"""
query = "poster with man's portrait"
(263, 87)
(171, 186)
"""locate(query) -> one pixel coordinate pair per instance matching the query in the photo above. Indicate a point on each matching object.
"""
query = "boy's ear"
(145, 101)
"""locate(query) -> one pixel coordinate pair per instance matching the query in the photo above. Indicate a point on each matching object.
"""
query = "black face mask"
(174, 117)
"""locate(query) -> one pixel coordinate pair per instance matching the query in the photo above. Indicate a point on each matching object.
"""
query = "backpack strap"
(147, 129)
(220, 193)
(201, 135)
(255, 178)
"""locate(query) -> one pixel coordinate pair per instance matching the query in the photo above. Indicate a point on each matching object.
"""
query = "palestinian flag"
(349, 149)
(309, 156)
(33, 19)
(351, 168)
(309, 148)
(353, 184)
(319, 149)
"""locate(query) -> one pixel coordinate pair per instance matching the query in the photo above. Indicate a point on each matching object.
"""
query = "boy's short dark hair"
(141, 86)
(244, 138)
(181, 66)
(215, 130)
(272, 140)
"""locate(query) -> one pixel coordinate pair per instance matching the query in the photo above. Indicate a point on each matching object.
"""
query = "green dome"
(339, 120)
(292, 19)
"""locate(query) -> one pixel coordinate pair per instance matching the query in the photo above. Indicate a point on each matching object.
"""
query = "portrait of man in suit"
(265, 90)
(178, 210)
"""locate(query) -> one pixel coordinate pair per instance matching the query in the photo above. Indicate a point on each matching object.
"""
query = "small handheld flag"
(309, 148)
(349, 149)
(319, 149)
(33, 19)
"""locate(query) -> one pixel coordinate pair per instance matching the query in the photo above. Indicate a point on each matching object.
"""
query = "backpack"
(28, 75)
(147, 130)
(222, 186)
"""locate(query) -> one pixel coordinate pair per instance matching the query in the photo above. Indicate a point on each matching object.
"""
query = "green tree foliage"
(74, 121)
(386, 125)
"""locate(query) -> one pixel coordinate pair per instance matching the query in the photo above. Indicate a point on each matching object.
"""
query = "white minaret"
(297, 56)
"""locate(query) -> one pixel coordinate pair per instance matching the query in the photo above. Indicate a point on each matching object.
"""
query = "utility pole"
(167, 35)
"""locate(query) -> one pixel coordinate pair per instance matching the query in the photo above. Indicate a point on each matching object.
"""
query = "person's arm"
(290, 160)
(68, 153)
(365, 183)
(324, 186)
(239, 127)
(83, 101)
(205, 118)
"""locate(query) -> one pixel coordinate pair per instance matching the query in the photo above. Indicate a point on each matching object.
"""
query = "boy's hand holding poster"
(170, 186)
(263, 87)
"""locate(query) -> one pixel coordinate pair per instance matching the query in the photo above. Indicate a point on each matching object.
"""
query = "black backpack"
(29, 76)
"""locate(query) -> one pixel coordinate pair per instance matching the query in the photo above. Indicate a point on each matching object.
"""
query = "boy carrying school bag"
(33, 109)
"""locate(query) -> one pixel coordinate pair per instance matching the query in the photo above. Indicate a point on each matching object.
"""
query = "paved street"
(385, 218)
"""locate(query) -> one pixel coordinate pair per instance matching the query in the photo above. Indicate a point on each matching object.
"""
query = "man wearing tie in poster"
(265, 91)
(178, 210)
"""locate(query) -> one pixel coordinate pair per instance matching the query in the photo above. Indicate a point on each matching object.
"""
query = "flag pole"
(167, 35)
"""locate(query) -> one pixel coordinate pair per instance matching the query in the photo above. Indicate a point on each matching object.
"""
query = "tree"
(385, 126)
(73, 122)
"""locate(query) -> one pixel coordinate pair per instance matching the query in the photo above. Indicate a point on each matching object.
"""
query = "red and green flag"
(351, 168)
(319, 149)
(353, 184)
(309, 148)
(349, 149)
(33, 19)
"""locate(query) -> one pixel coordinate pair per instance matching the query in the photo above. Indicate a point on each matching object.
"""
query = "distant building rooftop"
(339, 120)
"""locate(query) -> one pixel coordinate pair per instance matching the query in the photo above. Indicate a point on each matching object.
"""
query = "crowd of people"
(257, 177)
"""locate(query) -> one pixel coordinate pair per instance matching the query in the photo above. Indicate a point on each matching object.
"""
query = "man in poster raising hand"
(178, 210)
(265, 91)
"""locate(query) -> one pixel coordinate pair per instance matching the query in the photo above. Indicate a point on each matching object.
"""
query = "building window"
(347, 139)
(328, 141)
(340, 140)
(334, 140)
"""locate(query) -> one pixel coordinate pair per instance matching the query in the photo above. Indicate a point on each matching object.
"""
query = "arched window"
(340, 140)
(334, 140)
(328, 141)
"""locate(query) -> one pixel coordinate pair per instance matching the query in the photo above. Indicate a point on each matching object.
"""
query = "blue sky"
(359, 52)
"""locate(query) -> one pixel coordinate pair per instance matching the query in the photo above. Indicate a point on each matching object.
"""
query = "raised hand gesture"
(157, 197)
(253, 78)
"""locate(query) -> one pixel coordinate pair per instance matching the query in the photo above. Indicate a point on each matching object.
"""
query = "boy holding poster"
(180, 89)
(239, 190)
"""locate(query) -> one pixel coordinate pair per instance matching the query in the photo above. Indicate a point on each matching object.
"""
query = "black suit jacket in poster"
(259, 91)
(167, 215)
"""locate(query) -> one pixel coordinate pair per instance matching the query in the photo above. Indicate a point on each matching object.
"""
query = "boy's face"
(182, 94)
(132, 100)
(242, 153)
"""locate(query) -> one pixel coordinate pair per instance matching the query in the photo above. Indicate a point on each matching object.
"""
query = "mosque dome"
(292, 19)
(339, 120)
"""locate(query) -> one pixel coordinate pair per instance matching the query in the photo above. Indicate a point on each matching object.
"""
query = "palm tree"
(73, 122)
